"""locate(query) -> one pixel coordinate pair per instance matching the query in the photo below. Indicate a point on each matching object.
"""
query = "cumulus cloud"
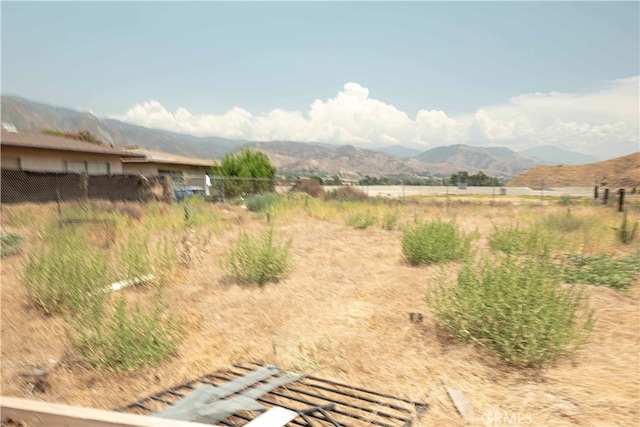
(603, 122)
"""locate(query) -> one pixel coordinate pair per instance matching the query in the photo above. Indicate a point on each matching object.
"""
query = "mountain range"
(292, 157)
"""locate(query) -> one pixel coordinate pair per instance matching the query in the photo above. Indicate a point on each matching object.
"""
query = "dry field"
(343, 311)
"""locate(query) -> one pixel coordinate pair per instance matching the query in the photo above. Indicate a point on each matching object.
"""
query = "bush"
(120, 338)
(361, 220)
(65, 272)
(257, 259)
(434, 242)
(309, 186)
(515, 240)
(261, 202)
(626, 233)
(564, 223)
(390, 221)
(350, 194)
(134, 258)
(10, 244)
(517, 309)
(602, 270)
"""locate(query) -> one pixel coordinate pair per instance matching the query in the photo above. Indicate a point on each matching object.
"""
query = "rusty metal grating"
(318, 402)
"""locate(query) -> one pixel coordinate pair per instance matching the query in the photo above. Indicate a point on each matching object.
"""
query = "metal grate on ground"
(318, 402)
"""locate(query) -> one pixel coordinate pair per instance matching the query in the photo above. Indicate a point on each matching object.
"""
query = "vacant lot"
(342, 312)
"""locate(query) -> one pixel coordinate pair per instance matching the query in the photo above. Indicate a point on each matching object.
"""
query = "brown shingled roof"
(49, 142)
(159, 157)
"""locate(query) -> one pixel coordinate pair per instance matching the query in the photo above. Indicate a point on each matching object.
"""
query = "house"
(36, 152)
(151, 162)
(188, 175)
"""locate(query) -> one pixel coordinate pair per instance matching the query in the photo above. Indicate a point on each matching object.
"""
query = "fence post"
(606, 196)
(595, 192)
(84, 186)
(621, 200)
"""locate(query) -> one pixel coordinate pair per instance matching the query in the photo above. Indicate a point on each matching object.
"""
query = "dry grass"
(344, 312)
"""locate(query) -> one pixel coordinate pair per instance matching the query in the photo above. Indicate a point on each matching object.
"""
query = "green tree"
(252, 165)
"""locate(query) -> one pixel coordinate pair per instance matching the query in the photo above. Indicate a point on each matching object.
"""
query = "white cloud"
(602, 122)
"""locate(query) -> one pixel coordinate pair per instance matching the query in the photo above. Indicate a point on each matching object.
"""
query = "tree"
(247, 163)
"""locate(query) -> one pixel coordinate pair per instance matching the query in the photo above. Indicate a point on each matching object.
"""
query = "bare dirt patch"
(345, 311)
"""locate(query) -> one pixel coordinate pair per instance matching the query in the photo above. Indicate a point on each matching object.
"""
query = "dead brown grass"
(344, 312)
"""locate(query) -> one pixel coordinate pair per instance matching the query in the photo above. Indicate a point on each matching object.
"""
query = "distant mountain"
(398, 151)
(209, 147)
(621, 172)
(346, 161)
(556, 156)
(494, 161)
(34, 116)
(303, 158)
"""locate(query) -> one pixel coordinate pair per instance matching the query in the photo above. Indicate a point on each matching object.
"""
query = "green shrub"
(563, 223)
(602, 270)
(361, 220)
(261, 202)
(10, 244)
(390, 221)
(121, 338)
(434, 242)
(513, 239)
(134, 257)
(257, 259)
(516, 308)
(565, 200)
(65, 271)
(626, 233)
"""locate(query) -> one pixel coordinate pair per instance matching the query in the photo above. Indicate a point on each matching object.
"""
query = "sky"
(418, 74)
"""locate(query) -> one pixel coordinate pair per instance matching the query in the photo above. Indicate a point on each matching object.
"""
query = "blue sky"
(420, 74)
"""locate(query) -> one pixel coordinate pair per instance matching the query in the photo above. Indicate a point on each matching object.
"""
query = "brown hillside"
(621, 172)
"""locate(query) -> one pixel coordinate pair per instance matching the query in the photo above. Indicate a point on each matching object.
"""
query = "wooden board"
(44, 414)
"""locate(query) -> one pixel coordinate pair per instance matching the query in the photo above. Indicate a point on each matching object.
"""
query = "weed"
(565, 200)
(309, 186)
(261, 202)
(348, 193)
(64, 273)
(602, 269)
(517, 240)
(134, 257)
(10, 244)
(517, 309)
(121, 338)
(361, 220)
(257, 259)
(390, 221)
(434, 242)
(626, 233)
(563, 223)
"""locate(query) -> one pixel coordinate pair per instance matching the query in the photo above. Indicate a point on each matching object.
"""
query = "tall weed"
(257, 259)
(119, 337)
(516, 308)
(65, 271)
(434, 242)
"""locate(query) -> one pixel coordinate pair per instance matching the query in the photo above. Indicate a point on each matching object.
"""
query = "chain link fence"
(39, 187)
(18, 186)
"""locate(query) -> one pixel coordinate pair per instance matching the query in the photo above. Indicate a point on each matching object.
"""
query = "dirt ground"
(344, 310)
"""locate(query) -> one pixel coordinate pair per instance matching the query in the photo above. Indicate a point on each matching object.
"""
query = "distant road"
(397, 191)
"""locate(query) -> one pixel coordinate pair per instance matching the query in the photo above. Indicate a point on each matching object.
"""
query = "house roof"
(159, 157)
(28, 139)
